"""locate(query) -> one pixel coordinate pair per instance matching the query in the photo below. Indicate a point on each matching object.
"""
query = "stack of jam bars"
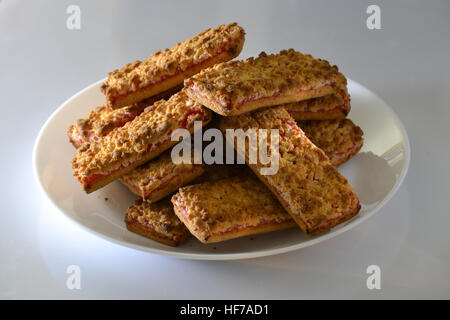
(305, 99)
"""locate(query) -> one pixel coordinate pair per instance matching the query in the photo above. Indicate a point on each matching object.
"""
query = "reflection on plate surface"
(375, 173)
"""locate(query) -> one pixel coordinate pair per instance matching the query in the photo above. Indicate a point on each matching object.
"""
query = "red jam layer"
(346, 152)
(191, 112)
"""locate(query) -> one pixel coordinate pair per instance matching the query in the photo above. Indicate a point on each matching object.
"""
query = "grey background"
(42, 64)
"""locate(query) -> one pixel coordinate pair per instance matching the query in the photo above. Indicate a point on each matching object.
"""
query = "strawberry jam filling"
(346, 152)
(91, 179)
(183, 123)
(292, 124)
(96, 176)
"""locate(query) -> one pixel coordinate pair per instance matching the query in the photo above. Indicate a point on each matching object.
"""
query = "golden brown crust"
(322, 115)
(229, 208)
(138, 141)
(328, 107)
(165, 69)
(160, 177)
(156, 221)
(236, 87)
(339, 139)
(102, 120)
(309, 187)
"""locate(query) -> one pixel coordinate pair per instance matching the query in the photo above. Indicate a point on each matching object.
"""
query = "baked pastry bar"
(332, 106)
(229, 208)
(166, 69)
(102, 120)
(237, 87)
(138, 141)
(308, 186)
(156, 221)
(339, 139)
(160, 177)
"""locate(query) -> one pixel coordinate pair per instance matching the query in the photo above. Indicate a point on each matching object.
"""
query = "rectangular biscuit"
(229, 208)
(138, 141)
(168, 68)
(237, 87)
(156, 221)
(339, 139)
(160, 177)
(308, 186)
(102, 120)
(332, 106)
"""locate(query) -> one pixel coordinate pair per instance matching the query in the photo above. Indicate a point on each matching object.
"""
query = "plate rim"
(224, 256)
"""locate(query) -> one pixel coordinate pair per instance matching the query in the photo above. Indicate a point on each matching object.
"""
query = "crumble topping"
(158, 218)
(166, 63)
(125, 145)
(339, 139)
(312, 190)
(160, 172)
(236, 82)
(227, 205)
(100, 121)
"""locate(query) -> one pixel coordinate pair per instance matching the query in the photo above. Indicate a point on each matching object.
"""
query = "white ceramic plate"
(375, 173)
